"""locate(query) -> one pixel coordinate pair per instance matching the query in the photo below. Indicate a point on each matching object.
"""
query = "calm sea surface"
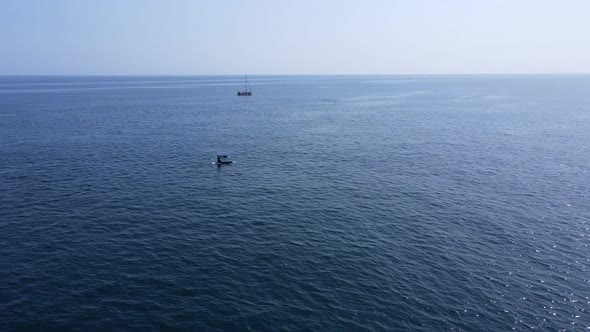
(357, 203)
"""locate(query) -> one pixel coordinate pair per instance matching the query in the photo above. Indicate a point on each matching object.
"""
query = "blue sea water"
(424, 203)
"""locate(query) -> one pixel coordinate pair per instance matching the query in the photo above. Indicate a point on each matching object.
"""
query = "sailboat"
(247, 88)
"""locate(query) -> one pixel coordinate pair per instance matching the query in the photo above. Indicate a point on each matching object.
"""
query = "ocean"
(374, 203)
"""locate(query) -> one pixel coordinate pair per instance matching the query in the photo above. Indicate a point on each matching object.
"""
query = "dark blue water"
(357, 203)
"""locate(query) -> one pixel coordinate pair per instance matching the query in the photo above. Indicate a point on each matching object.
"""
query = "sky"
(192, 37)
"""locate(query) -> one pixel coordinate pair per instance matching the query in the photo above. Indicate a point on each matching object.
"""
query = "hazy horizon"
(261, 37)
(253, 75)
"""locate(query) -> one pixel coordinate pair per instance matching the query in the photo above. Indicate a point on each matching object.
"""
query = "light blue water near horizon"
(357, 203)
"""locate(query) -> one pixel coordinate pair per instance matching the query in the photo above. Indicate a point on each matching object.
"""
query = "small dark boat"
(247, 89)
(222, 160)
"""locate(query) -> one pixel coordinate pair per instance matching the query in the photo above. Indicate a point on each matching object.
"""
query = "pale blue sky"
(294, 36)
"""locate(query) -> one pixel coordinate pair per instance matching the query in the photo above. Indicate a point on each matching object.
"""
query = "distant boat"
(222, 160)
(247, 88)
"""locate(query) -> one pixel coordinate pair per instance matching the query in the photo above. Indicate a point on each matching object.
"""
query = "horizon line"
(308, 74)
